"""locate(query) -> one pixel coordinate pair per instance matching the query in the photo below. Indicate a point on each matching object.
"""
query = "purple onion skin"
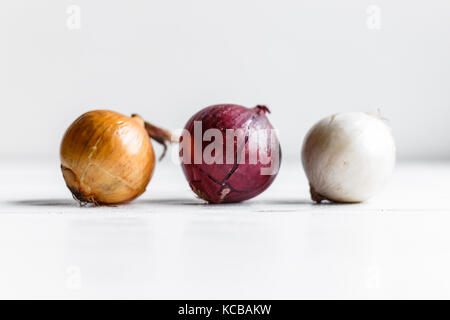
(240, 181)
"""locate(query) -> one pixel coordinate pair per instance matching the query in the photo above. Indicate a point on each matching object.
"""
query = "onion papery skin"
(348, 157)
(106, 158)
(228, 183)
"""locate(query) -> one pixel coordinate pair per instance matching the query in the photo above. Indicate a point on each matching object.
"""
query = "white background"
(168, 59)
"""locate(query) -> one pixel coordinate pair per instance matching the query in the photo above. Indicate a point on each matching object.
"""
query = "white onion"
(348, 157)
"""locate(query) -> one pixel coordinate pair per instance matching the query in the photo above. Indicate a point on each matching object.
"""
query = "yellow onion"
(108, 158)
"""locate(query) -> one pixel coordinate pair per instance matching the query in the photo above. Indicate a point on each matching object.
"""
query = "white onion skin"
(348, 157)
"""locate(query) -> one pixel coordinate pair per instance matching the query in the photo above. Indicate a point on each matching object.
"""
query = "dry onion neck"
(160, 135)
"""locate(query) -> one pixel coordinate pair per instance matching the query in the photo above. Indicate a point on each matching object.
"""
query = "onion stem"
(160, 135)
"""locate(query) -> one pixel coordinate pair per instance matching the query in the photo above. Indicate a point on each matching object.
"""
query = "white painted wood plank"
(167, 244)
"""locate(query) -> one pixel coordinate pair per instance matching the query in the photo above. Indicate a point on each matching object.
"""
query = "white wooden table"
(167, 244)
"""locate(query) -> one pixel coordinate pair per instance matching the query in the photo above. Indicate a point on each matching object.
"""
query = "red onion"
(245, 160)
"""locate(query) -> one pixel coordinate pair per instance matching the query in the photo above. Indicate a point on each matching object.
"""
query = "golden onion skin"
(107, 158)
